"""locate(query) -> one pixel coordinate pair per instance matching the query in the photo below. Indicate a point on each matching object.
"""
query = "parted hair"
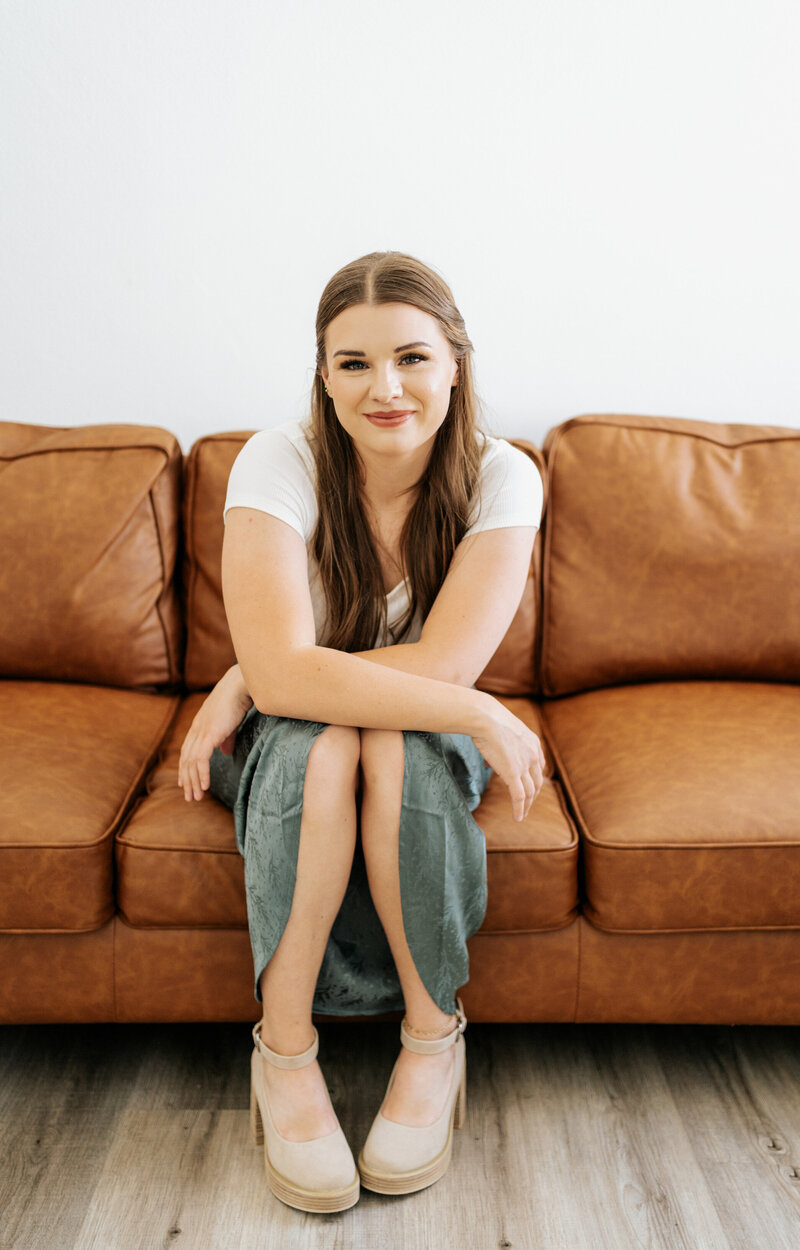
(445, 494)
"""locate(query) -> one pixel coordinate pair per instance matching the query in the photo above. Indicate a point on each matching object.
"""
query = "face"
(389, 370)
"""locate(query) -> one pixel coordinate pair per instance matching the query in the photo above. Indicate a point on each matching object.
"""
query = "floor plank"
(578, 1137)
(736, 1090)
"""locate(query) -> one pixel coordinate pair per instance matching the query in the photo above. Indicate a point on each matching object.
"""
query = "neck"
(388, 478)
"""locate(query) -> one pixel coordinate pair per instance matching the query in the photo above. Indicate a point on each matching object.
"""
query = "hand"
(214, 725)
(515, 753)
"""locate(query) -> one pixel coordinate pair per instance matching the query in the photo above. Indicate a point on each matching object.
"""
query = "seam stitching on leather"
(189, 552)
(171, 659)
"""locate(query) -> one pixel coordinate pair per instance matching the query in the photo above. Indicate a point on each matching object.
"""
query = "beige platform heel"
(316, 1175)
(399, 1158)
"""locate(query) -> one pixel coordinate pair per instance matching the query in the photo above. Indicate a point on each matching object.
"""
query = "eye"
(412, 356)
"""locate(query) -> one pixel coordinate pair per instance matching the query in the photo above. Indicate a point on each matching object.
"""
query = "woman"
(374, 557)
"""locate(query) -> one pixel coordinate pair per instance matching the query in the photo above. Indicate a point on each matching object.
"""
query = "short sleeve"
(510, 488)
(271, 474)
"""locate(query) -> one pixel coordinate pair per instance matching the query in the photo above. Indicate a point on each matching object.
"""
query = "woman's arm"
(462, 632)
(268, 606)
(271, 621)
(472, 611)
(214, 725)
(471, 614)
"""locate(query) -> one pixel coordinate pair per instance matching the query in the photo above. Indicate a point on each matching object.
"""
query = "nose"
(386, 383)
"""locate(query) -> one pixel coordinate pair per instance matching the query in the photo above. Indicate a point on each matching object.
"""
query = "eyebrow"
(404, 348)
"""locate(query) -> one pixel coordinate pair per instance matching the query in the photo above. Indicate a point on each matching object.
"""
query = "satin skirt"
(442, 862)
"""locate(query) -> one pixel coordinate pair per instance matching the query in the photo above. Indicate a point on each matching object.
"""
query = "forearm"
(416, 658)
(337, 688)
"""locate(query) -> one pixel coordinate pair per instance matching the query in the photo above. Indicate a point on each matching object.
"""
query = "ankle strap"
(286, 1061)
(438, 1044)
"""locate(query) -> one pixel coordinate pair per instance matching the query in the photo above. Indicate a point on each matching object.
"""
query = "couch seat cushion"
(178, 864)
(73, 757)
(532, 864)
(687, 798)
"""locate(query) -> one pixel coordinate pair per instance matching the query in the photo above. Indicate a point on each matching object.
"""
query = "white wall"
(611, 187)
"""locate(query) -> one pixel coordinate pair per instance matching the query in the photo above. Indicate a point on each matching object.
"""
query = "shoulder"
(284, 445)
(504, 465)
(510, 489)
(274, 472)
(503, 459)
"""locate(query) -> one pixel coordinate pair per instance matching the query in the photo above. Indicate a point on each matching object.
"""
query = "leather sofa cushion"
(666, 553)
(577, 973)
(209, 650)
(177, 862)
(72, 759)
(206, 469)
(178, 865)
(687, 799)
(89, 532)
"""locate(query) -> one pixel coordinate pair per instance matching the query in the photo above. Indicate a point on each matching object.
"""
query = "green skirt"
(442, 862)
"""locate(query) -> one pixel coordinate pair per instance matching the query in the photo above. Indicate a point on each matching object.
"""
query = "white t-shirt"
(275, 473)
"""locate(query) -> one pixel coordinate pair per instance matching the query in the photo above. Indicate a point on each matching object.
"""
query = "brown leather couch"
(656, 652)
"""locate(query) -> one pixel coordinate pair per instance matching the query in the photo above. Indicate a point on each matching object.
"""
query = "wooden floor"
(598, 1136)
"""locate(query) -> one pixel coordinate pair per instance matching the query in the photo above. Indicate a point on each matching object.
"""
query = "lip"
(389, 418)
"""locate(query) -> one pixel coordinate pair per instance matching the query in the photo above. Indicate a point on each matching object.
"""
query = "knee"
(333, 762)
(382, 757)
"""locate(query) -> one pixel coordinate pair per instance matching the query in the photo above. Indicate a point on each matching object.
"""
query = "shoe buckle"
(461, 1019)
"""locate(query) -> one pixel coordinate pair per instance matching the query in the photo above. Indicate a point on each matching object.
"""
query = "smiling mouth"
(386, 419)
(389, 420)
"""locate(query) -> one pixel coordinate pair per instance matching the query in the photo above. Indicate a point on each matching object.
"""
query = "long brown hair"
(446, 493)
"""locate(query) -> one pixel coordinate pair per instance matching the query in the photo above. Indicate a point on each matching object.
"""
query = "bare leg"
(297, 1097)
(418, 1094)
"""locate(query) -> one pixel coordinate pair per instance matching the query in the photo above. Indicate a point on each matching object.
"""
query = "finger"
(187, 784)
(530, 792)
(183, 765)
(535, 779)
(518, 796)
(205, 774)
(539, 779)
(197, 789)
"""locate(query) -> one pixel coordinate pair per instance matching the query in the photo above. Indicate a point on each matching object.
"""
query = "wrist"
(481, 713)
(240, 686)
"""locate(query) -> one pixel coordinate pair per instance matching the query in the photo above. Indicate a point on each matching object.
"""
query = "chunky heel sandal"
(402, 1158)
(256, 1123)
(460, 1117)
(316, 1175)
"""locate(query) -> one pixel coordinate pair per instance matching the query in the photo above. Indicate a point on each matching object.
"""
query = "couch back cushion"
(512, 668)
(669, 552)
(88, 535)
(209, 651)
